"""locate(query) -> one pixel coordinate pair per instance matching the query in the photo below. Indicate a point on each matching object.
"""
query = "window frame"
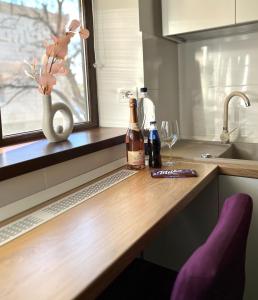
(90, 70)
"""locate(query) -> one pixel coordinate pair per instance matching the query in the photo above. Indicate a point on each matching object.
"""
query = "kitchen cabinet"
(186, 231)
(246, 11)
(193, 15)
(229, 185)
(202, 19)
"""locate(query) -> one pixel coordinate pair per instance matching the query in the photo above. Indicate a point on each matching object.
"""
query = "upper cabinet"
(246, 11)
(185, 19)
(195, 15)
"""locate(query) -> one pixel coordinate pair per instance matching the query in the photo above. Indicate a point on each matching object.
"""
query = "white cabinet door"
(181, 16)
(246, 11)
(229, 185)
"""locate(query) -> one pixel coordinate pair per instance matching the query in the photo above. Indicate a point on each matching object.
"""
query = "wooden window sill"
(21, 159)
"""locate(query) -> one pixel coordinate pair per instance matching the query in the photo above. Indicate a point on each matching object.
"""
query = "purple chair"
(215, 271)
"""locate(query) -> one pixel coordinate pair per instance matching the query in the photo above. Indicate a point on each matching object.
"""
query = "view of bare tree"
(54, 24)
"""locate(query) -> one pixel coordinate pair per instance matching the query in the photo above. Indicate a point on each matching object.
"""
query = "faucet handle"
(233, 130)
(224, 137)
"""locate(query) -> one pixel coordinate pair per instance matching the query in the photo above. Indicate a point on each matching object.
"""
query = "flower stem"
(53, 61)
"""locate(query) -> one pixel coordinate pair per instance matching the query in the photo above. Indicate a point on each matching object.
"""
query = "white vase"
(60, 133)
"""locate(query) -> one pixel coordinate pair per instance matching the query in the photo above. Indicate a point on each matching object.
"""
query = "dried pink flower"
(57, 68)
(54, 38)
(84, 33)
(60, 48)
(52, 60)
(50, 50)
(73, 25)
(33, 69)
(44, 60)
(46, 82)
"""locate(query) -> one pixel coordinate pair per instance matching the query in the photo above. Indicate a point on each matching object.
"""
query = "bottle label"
(136, 158)
(134, 126)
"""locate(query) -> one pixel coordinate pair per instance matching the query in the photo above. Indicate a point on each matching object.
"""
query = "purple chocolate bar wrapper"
(180, 173)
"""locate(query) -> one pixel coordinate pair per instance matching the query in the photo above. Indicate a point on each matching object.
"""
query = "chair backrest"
(216, 270)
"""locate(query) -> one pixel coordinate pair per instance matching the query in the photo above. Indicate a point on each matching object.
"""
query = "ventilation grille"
(27, 223)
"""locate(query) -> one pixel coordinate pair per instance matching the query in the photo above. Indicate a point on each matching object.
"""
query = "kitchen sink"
(192, 149)
(246, 151)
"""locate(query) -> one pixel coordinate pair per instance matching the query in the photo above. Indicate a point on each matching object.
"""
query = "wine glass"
(169, 135)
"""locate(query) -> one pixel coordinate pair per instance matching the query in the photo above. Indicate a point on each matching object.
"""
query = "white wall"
(160, 62)
(130, 52)
(118, 48)
(208, 71)
(23, 192)
(160, 73)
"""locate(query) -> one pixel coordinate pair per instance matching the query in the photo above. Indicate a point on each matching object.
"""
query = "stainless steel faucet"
(224, 137)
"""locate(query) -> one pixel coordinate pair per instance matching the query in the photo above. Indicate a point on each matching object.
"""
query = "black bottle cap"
(143, 90)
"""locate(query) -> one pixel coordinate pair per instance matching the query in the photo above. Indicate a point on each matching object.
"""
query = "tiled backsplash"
(208, 71)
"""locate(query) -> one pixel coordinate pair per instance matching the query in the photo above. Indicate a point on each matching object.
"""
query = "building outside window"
(25, 26)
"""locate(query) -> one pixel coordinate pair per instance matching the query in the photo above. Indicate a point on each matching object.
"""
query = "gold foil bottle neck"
(132, 102)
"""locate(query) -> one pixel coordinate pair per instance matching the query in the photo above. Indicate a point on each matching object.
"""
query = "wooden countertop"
(226, 166)
(190, 150)
(82, 250)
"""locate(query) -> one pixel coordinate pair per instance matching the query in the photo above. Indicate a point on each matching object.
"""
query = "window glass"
(25, 25)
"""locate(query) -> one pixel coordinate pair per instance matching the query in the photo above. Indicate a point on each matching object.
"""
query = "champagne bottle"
(134, 141)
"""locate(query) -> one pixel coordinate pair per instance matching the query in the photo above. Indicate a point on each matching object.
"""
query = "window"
(25, 25)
